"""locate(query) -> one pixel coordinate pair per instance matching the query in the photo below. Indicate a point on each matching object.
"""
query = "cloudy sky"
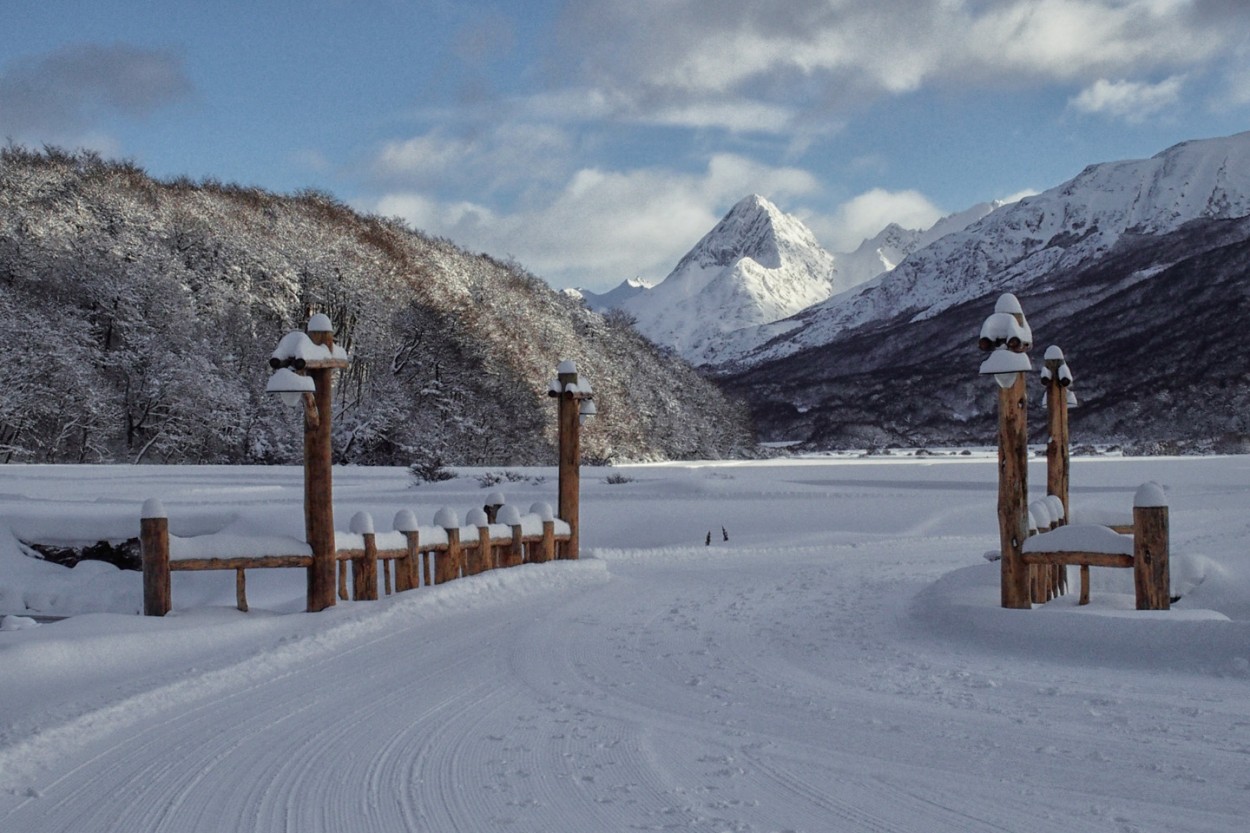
(596, 140)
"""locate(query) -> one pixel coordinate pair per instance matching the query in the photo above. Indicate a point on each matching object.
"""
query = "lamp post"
(303, 368)
(1007, 336)
(1059, 397)
(574, 400)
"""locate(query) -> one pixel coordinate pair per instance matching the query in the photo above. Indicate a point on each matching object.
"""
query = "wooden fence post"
(1151, 577)
(365, 565)
(447, 564)
(549, 541)
(478, 560)
(154, 546)
(407, 575)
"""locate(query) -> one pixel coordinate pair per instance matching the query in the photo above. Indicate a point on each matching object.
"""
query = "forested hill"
(139, 316)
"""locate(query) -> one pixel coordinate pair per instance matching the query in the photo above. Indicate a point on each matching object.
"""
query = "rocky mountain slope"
(1018, 246)
(757, 265)
(140, 316)
(1138, 270)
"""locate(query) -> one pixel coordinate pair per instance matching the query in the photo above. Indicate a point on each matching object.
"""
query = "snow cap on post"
(405, 521)
(567, 366)
(495, 499)
(1054, 354)
(1009, 304)
(1056, 507)
(476, 517)
(447, 518)
(1003, 365)
(153, 508)
(362, 523)
(543, 511)
(508, 515)
(320, 323)
(1149, 495)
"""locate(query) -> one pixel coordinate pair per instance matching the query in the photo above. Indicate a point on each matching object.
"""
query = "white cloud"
(604, 226)
(1129, 100)
(863, 216)
(502, 155)
(71, 95)
(671, 57)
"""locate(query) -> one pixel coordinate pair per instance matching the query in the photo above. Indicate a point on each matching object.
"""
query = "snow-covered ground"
(840, 663)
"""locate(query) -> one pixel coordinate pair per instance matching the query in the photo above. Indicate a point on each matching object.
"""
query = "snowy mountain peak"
(755, 266)
(753, 228)
(1015, 246)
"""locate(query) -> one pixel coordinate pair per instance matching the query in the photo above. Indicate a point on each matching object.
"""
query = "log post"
(406, 576)
(1084, 600)
(548, 551)
(493, 502)
(1057, 378)
(1013, 468)
(570, 464)
(517, 549)
(1151, 577)
(365, 571)
(573, 397)
(1006, 336)
(477, 559)
(240, 589)
(447, 563)
(342, 572)
(154, 546)
(318, 488)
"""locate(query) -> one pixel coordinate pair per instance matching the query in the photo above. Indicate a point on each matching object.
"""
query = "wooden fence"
(410, 556)
(1144, 549)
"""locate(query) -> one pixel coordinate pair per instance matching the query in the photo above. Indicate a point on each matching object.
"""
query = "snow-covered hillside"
(1016, 247)
(756, 266)
(888, 248)
(839, 664)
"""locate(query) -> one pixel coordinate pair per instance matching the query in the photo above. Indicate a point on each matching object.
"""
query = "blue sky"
(597, 140)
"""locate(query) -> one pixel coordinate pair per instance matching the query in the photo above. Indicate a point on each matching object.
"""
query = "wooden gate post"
(154, 547)
(318, 487)
(1057, 377)
(1013, 511)
(1151, 578)
(573, 397)
(304, 364)
(1007, 336)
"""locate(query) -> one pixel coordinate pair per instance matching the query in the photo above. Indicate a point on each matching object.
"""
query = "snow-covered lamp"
(290, 385)
(1004, 365)
(586, 410)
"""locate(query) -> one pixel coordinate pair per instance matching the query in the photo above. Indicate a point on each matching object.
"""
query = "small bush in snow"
(430, 470)
(494, 478)
(615, 479)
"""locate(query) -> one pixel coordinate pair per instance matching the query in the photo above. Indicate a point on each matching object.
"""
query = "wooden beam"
(1077, 557)
(248, 562)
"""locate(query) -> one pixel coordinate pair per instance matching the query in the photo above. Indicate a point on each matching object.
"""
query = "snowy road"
(820, 680)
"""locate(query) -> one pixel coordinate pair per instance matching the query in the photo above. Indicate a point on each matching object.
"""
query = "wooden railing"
(409, 557)
(1145, 550)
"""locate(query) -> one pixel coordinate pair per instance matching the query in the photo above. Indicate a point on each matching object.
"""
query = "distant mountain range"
(889, 357)
(758, 266)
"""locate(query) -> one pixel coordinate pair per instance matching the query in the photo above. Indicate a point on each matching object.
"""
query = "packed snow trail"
(700, 691)
(816, 680)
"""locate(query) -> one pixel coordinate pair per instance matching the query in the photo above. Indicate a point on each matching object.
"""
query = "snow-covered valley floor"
(839, 664)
